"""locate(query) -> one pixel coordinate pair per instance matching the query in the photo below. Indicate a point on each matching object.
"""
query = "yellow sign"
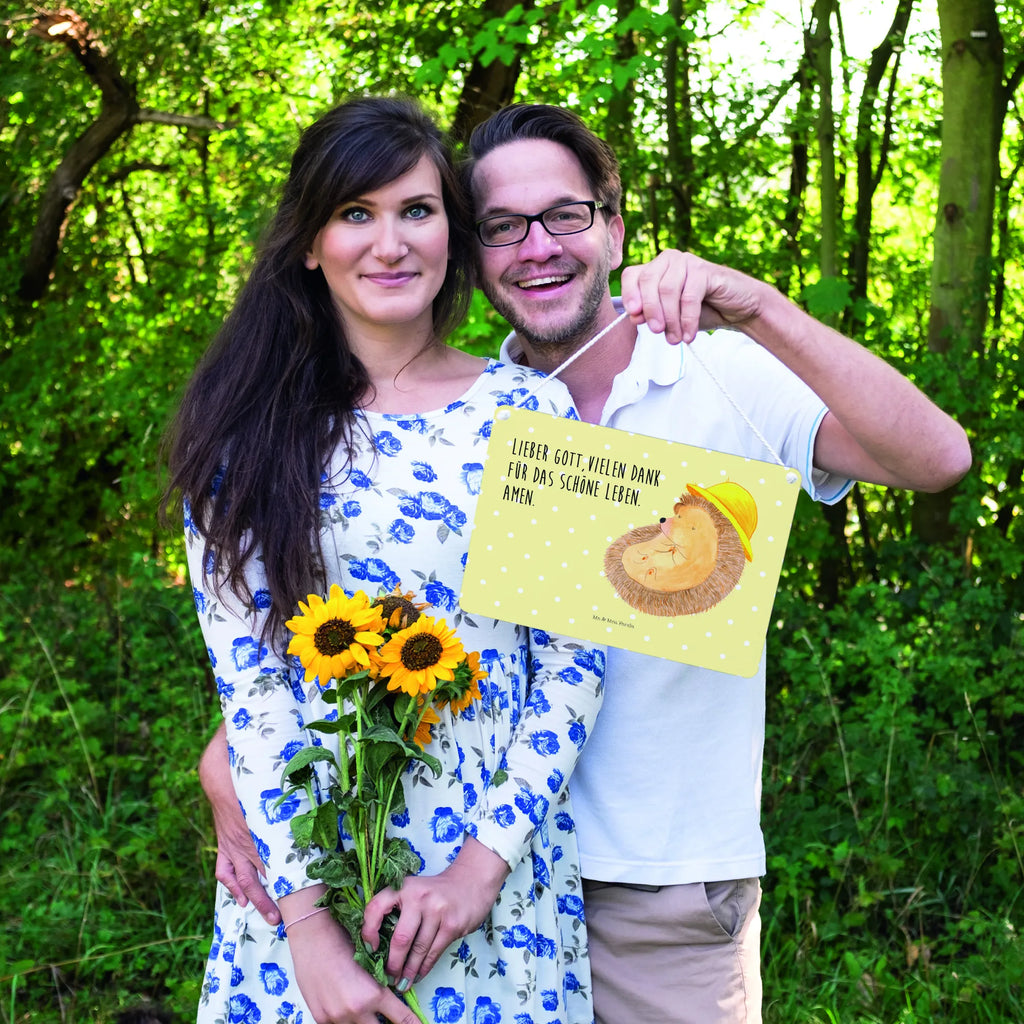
(627, 540)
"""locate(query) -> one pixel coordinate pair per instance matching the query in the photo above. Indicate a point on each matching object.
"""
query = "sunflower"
(423, 732)
(399, 610)
(417, 657)
(332, 636)
(472, 691)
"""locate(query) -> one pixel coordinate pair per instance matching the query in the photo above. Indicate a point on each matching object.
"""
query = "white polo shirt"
(668, 788)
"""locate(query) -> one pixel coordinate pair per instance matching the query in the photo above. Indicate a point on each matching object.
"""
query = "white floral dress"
(402, 515)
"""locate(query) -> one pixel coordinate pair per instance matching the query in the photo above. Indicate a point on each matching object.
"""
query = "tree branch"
(206, 124)
(119, 112)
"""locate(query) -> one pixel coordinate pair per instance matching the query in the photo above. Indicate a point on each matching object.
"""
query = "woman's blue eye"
(355, 215)
(418, 212)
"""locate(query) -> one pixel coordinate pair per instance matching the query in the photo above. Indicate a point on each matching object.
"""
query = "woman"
(330, 436)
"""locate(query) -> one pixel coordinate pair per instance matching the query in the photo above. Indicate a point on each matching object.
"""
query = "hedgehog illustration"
(689, 562)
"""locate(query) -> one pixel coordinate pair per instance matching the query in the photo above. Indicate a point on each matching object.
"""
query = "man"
(671, 854)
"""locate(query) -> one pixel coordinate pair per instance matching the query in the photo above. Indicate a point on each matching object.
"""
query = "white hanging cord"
(558, 369)
(732, 401)
(691, 351)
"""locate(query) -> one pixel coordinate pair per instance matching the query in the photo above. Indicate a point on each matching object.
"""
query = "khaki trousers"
(675, 954)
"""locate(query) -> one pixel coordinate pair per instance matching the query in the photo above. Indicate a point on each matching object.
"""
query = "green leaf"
(325, 828)
(298, 769)
(828, 297)
(339, 869)
(302, 826)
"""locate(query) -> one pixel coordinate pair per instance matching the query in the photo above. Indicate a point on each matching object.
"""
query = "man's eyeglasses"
(564, 219)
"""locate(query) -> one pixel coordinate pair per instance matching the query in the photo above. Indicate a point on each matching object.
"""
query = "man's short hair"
(521, 121)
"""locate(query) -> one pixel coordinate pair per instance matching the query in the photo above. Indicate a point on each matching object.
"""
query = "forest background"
(865, 157)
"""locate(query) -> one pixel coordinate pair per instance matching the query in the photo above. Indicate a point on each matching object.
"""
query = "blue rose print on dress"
(374, 570)
(504, 815)
(227, 952)
(357, 478)
(448, 1005)
(274, 811)
(564, 822)
(387, 444)
(555, 780)
(218, 937)
(242, 1010)
(351, 508)
(261, 600)
(533, 805)
(486, 1011)
(241, 718)
(578, 734)
(446, 826)
(484, 433)
(424, 472)
(538, 701)
(237, 977)
(546, 948)
(540, 637)
(455, 518)
(519, 937)
(414, 424)
(289, 750)
(472, 476)
(274, 979)
(327, 500)
(549, 999)
(545, 742)
(571, 905)
(247, 652)
(441, 596)
(282, 887)
(261, 847)
(200, 600)
(401, 531)
(589, 660)
(571, 675)
(541, 874)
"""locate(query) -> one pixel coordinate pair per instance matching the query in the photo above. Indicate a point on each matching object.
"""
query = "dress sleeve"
(564, 696)
(264, 707)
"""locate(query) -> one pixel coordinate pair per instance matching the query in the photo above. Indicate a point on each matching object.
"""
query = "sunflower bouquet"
(390, 669)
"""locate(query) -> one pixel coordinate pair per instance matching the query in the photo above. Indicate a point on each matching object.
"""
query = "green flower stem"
(359, 834)
(414, 1004)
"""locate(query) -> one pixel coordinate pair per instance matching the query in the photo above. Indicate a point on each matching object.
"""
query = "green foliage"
(103, 835)
(893, 813)
(892, 773)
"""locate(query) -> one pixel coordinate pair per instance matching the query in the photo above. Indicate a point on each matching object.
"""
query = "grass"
(893, 811)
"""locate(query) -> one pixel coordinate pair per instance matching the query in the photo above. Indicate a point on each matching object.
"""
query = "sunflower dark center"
(391, 603)
(421, 651)
(334, 636)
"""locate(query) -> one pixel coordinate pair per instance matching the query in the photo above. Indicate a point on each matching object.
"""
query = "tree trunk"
(486, 89)
(679, 144)
(973, 107)
(869, 172)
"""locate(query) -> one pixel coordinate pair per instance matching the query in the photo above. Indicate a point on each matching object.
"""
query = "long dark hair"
(275, 394)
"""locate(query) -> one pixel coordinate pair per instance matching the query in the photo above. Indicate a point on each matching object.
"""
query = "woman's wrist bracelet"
(304, 917)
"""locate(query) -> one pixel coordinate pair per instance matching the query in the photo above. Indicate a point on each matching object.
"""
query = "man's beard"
(567, 337)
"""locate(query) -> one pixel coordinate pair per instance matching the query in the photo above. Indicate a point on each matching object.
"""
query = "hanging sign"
(631, 541)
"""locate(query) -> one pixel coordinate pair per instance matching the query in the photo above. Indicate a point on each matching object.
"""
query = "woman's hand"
(435, 910)
(238, 865)
(336, 989)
